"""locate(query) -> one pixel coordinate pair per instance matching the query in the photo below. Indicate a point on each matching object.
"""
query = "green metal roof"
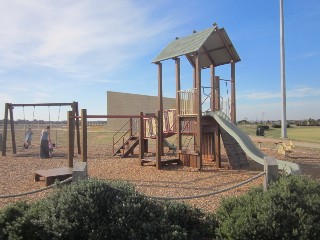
(213, 45)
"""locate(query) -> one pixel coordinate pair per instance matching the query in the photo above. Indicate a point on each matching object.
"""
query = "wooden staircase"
(127, 147)
(126, 139)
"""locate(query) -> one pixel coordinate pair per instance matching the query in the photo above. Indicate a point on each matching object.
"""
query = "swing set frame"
(9, 112)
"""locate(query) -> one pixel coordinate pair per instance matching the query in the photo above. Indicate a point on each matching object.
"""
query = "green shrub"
(96, 209)
(290, 209)
(278, 125)
(265, 127)
(16, 221)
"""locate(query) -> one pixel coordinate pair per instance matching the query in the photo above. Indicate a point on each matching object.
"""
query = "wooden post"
(13, 136)
(158, 143)
(75, 108)
(84, 135)
(212, 76)
(178, 121)
(141, 138)
(194, 77)
(217, 136)
(271, 170)
(5, 128)
(160, 98)
(70, 117)
(130, 126)
(233, 92)
(198, 112)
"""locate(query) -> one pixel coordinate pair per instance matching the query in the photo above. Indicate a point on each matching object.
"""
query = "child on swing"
(51, 145)
(28, 138)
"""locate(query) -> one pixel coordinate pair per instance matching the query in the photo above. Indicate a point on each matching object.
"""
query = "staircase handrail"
(123, 135)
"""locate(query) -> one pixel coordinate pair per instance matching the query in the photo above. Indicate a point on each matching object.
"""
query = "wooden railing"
(128, 130)
(187, 102)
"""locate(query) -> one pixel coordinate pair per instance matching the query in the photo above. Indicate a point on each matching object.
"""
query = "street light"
(283, 75)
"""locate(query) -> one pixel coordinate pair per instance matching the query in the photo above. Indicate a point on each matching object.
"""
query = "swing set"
(8, 119)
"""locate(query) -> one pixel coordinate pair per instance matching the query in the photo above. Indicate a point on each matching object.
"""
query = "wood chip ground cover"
(17, 172)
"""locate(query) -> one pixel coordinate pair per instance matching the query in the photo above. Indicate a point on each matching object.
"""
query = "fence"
(187, 101)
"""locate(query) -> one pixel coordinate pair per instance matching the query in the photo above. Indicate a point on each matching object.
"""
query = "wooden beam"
(225, 44)
(76, 113)
(160, 107)
(13, 135)
(42, 104)
(214, 49)
(217, 146)
(5, 128)
(212, 76)
(199, 112)
(190, 60)
(208, 56)
(70, 119)
(217, 135)
(158, 141)
(84, 135)
(233, 92)
(141, 139)
(178, 86)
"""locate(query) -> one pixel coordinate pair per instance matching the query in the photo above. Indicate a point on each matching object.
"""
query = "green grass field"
(306, 134)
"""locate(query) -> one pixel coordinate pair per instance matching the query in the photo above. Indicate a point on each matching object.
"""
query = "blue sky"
(77, 50)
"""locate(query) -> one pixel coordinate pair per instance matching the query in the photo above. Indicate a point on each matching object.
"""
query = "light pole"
(283, 75)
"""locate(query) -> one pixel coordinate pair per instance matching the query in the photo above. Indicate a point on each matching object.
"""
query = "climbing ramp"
(246, 143)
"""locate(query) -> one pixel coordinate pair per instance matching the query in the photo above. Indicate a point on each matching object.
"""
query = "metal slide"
(247, 145)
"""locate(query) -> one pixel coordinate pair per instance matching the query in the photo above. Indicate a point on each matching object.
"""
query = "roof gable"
(213, 45)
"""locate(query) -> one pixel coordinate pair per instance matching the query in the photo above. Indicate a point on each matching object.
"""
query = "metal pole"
(283, 75)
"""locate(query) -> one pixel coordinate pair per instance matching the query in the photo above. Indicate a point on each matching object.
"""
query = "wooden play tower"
(206, 49)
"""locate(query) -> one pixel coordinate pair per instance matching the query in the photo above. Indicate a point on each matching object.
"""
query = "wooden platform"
(51, 175)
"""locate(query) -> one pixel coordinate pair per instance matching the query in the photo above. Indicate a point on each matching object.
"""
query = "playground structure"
(9, 107)
(207, 49)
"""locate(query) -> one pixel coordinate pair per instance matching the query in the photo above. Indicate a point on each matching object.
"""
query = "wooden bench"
(51, 175)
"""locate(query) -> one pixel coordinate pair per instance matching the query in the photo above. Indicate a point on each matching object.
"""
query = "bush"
(96, 209)
(278, 125)
(290, 209)
(16, 221)
(265, 127)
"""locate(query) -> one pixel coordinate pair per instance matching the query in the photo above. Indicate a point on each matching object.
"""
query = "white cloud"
(309, 54)
(76, 36)
(20, 89)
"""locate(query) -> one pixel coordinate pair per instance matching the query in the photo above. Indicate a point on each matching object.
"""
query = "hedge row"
(96, 209)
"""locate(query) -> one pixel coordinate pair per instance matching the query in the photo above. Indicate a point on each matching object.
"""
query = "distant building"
(132, 104)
